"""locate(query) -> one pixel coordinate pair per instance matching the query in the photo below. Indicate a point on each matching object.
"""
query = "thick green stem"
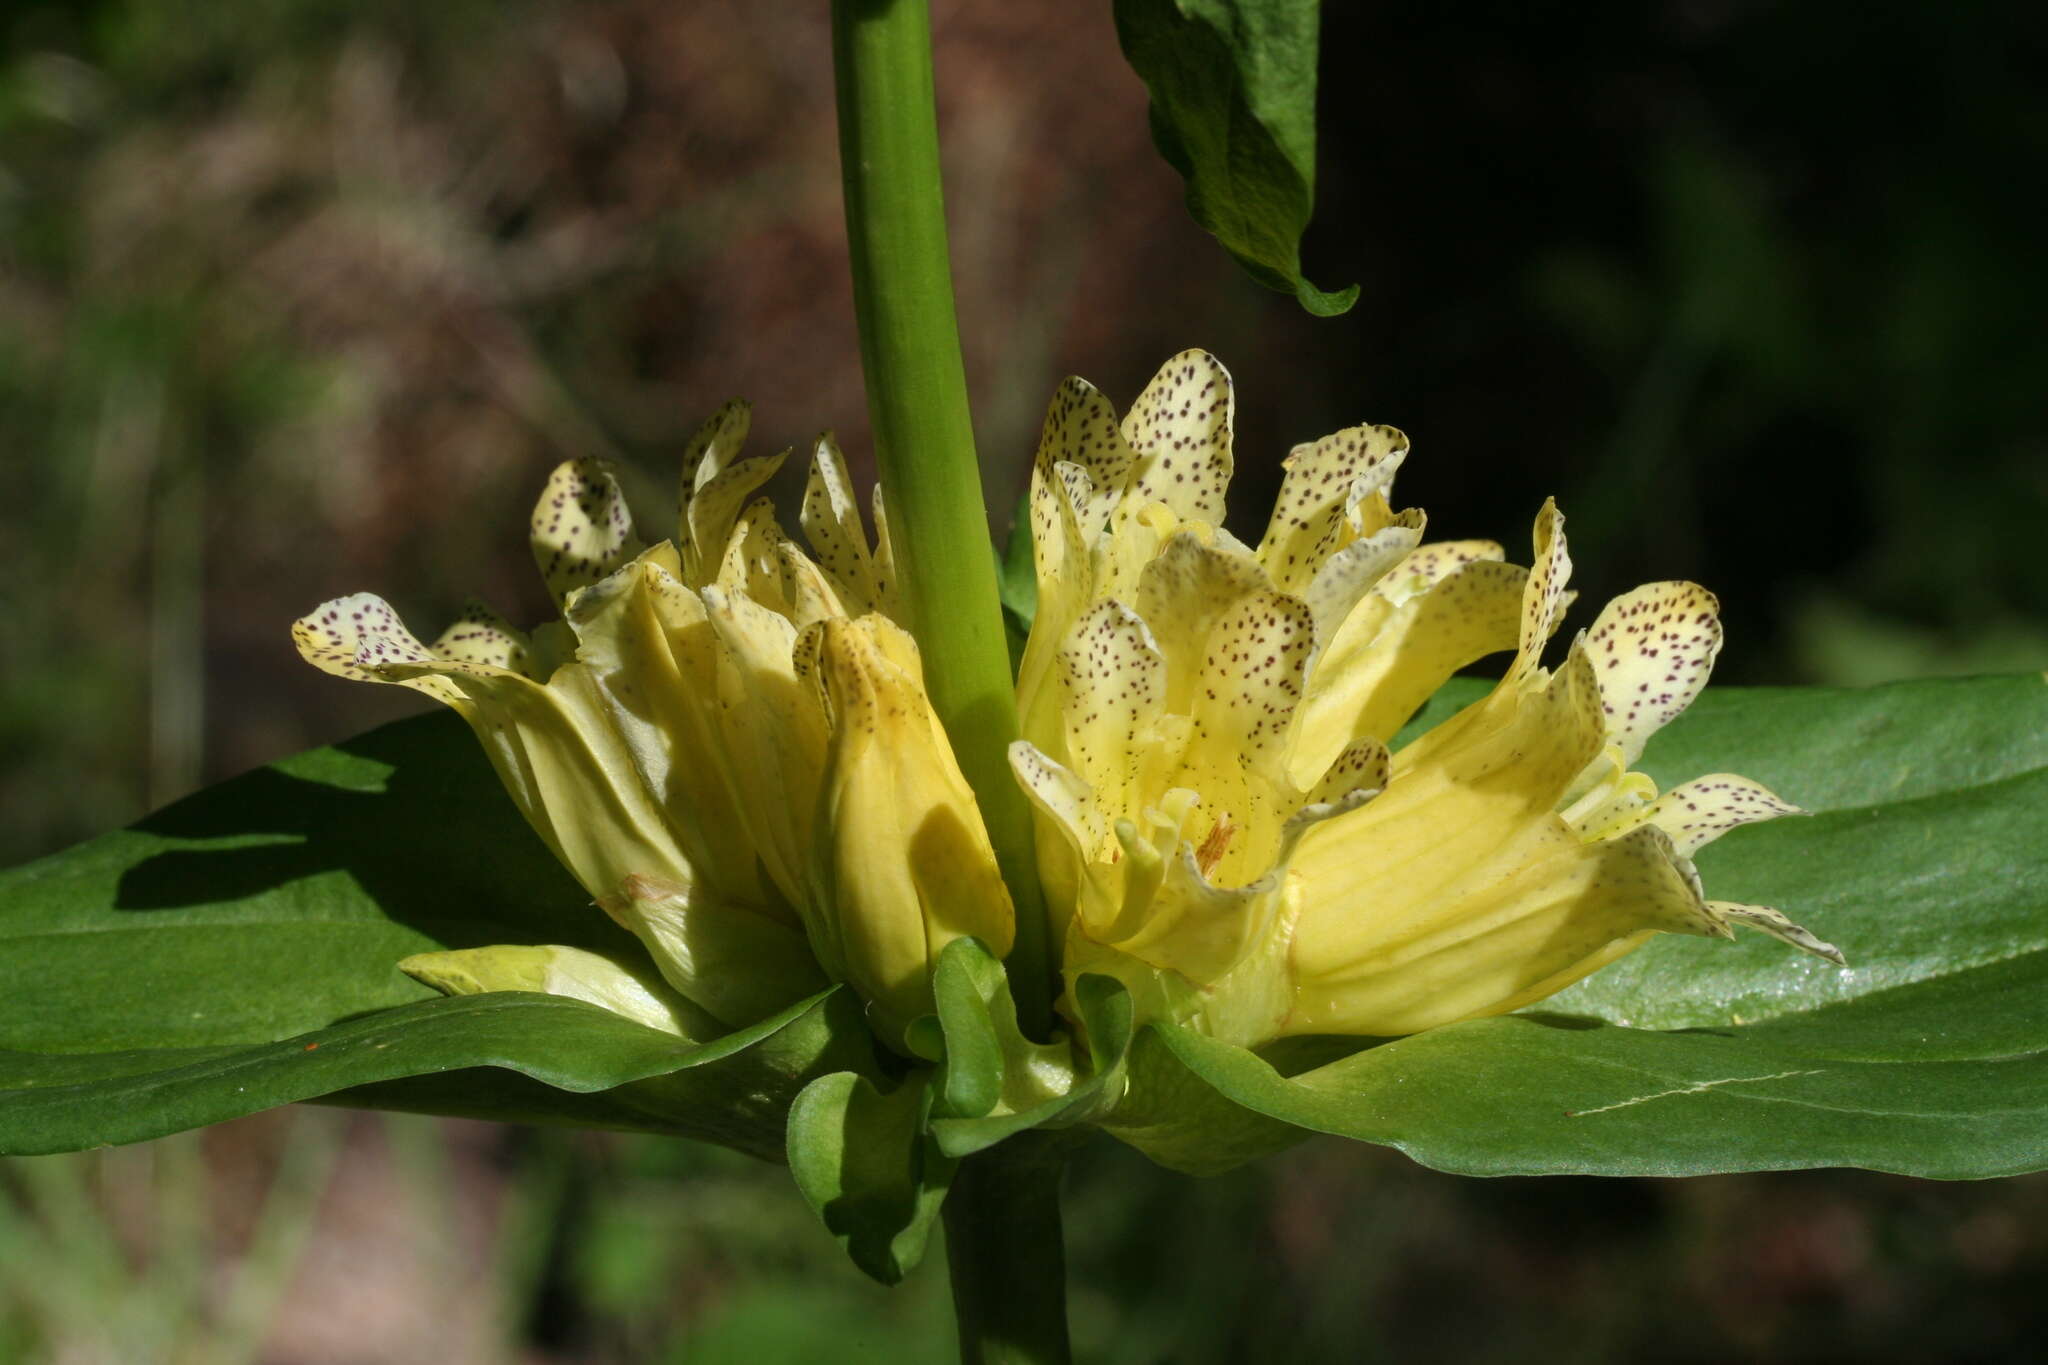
(1003, 1249)
(924, 440)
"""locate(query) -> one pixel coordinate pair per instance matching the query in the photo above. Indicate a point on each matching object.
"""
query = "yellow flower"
(726, 741)
(1221, 825)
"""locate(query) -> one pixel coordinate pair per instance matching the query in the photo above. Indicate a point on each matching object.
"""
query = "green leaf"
(1926, 860)
(733, 1091)
(1233, 85)
(238, 950)
(1040, 1087)
(1017, 582)
(867, 1166)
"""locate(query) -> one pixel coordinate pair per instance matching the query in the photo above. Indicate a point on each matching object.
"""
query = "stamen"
(1211, 851)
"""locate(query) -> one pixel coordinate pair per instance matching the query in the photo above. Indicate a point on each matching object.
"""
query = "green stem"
(924, 439)
(1003, 1249)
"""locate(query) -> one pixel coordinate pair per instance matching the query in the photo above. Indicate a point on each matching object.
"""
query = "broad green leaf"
(868, 1167)
(1233, 86)
(238, 950)
(733, 1091)
(1926, 860)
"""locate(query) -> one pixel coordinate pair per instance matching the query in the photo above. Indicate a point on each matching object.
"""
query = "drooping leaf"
(1925, 859)
(238, 950)
(1233, 86)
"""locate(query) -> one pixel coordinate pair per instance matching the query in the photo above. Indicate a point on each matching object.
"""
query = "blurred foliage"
(304, 296)
(303, 1238)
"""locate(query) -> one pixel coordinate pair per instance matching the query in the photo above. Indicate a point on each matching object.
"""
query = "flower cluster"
(728, 742)
(1207, 728)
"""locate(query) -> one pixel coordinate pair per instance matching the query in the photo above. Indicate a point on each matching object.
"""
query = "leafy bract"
(1233, 85)
(238, 950)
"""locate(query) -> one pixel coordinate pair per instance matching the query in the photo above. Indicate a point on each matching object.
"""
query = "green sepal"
(1040, 1085)
(866, 1163)
(1233, 86)
(987, 1064)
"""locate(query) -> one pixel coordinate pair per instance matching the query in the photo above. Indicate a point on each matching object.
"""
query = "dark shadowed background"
(301, 297)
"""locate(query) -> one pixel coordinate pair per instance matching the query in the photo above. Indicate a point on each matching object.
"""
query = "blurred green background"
(299, 297)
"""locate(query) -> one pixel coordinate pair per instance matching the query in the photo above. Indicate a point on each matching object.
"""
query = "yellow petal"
(1494, 944)
(1114, 681)
(906, 864)
(885, 554)
(355, 637)
(1071, 830)
(1427, 565)
(623, 988)
(1466, 805)
(1318, 510)
(1192, 582)
(774, 727)
(1698, 812)
(1062, 560)
(1608, 799)
(1653, 648)
(581, 528)
(1081, 431)
(1386, 660)
(716, 485)
(1257, 654)
(567, 768)
(738, 965)
(1364, 765)
(481, 636)
(571, 773)
(1545, 597)
(1765, 920)
(1179, 428)
(652, 651)
(1353, 571)
(831, 522)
